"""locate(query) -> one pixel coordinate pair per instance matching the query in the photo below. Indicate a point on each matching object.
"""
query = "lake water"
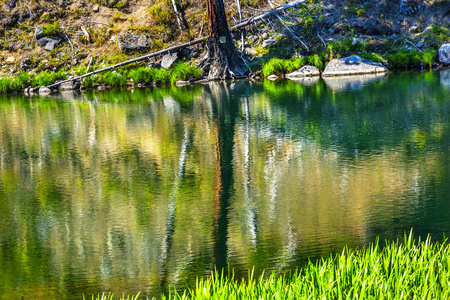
(141, 190)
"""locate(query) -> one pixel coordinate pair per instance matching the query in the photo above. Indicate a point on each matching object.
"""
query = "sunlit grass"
(399, 270)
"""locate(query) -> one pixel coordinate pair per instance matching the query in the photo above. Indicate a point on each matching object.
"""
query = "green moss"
(52, 29)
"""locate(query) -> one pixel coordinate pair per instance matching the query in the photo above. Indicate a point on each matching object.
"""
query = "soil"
(382, 22)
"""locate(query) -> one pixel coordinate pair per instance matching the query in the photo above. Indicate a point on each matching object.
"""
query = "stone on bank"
(444, 54)
(305, 71)
(352, 65)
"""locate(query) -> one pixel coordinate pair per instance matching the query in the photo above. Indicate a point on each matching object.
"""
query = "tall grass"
(279, 66)
(399, 270)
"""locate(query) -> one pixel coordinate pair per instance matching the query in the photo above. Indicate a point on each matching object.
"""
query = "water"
(130, 191)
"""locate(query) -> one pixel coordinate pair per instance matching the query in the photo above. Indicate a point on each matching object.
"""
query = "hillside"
(88, 30)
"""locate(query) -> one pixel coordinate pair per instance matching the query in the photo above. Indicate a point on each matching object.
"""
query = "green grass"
(279, 66)
(399, 270)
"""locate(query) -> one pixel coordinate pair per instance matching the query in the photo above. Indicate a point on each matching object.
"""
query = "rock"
(70, 86)
(305, 71)
(250, 51)
(181, 83)
(44, 90)
(101, 88)
(129, 42)
(169, 59)
(444, 54)
(419, 45)
(96, 8)
(25, 64)
(10, 60)
(268, 42)
(352, 65)
(272, 77)
(39, 33)
(410, 7)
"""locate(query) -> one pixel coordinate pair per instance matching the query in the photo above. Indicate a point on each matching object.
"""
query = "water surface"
(130, 191)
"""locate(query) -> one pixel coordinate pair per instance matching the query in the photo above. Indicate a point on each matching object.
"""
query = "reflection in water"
(143, 190)
(351, 82)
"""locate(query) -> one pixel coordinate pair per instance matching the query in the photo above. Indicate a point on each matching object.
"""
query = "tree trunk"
(222, 55)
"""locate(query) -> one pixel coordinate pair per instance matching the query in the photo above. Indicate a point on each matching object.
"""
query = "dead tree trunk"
(222, 55)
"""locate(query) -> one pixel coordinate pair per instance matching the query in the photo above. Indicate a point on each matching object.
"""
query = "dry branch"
(179, 47)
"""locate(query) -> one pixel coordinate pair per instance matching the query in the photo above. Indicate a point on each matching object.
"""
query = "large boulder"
(305, 71)
(130, 42)
(169, 59)
(43, 90)
(70, 86)
(47, 42)
(352, 65)
(444, 54)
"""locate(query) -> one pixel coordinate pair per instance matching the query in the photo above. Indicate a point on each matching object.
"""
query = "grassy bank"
(117, 78)
(399, 270)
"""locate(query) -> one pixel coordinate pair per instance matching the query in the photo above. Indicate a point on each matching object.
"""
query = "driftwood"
(182, 46)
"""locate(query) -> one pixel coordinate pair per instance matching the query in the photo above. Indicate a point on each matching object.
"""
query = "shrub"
(315, 60)
(21, 81)
(274, 66)
(52, 29)
(5, 85)
(429, 57)
(182, 71)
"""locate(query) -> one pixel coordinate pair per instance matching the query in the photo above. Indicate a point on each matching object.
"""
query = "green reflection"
(140, 190)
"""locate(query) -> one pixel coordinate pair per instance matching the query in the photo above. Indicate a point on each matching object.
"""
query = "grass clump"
(52, 29)
(399, 270)
(279, 66)
(45, 78)
(404, 60)
(184, 72)
(429, 57)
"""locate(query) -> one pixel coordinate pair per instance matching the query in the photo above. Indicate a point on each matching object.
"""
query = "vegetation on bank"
(117, 78)
(408, 270)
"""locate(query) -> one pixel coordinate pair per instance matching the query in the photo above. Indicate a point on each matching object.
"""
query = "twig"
(73, 50)
(89, 65)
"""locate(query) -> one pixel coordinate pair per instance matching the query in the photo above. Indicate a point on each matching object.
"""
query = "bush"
(52, 29)
(404, 60)
(183, 71)
(274, 66)
(21, 81)
(429, 57)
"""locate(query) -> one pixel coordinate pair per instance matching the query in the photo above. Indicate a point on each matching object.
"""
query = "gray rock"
(25, 64)
(410, 7)
(96, 8)
(272, 77)
(169, 59)
(39, 33)
(305, 71)
(182, 83)
(444, 54)
(352, 65)
(44, 90)
(129, 42)
(268, 43)
(48, 43)
(101, 88)
(250, 51)
(70, 86)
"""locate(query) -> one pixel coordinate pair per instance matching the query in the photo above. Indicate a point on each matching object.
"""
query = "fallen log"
(182, 46)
